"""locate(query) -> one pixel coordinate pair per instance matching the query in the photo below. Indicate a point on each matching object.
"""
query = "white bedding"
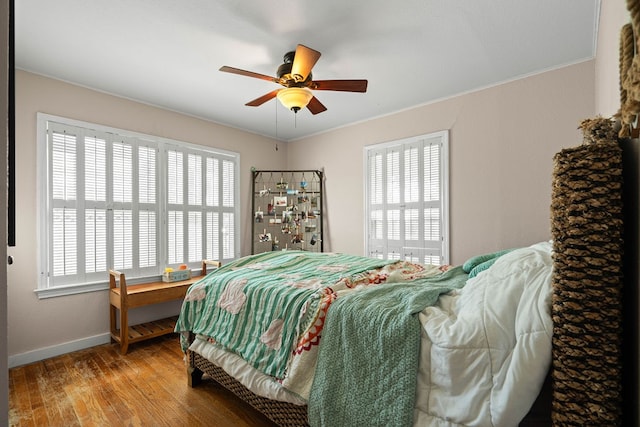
(259, 383)
(485, 350)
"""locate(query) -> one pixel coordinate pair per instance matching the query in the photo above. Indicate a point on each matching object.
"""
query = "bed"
(486, 334)
(528, 336)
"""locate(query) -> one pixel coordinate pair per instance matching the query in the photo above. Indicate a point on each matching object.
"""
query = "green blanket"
(254, 306)
(369, 352)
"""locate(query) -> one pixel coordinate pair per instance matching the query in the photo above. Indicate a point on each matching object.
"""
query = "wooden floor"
(101, 387)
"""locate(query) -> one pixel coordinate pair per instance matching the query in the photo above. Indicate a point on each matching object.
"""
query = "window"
(407, 199)
(134, 203)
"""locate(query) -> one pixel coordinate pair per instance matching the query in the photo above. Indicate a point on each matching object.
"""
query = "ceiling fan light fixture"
(296, 78)
(295, 98)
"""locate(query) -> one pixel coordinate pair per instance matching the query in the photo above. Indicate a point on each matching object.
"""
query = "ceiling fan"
(295, 75)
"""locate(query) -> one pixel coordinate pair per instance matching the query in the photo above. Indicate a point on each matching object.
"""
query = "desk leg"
(112, 321)
(124, 331)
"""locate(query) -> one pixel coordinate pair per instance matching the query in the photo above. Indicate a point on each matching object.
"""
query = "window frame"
(161, 145)
(382, 247)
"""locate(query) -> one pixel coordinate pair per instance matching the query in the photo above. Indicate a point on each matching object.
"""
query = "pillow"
(479, 259)
(481, 267)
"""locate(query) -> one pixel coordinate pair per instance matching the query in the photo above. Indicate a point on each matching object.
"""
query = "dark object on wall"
(11, 166)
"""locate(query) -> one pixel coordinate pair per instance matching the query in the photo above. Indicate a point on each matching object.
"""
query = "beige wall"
(502, 141)
(35, 323)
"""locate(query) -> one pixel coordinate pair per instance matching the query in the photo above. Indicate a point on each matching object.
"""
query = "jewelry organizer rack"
(287, 210)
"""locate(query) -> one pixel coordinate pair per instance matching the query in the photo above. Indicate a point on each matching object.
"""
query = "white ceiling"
(167, 52)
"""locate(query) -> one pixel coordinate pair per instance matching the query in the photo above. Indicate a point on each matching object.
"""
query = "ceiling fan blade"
(316, 106)
(303, 61)
(233, 70)
(341, 85)
(264, 98)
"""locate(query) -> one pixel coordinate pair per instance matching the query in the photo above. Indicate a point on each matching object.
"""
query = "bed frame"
(282, 413)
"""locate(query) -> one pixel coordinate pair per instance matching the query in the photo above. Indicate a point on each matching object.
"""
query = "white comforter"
(485, 350)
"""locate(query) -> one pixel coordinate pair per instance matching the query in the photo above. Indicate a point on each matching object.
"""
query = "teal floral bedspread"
(258, 306)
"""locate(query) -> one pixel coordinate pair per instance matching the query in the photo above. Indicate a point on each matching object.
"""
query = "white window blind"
(407, 199)
(130, 202)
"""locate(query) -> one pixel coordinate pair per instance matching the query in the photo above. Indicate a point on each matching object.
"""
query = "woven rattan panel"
(282, 413)
(586, 220)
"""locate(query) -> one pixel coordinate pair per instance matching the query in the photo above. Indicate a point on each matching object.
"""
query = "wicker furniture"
(587, 228)
(282, 413)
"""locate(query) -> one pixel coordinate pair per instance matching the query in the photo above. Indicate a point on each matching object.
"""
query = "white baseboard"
(57, 350)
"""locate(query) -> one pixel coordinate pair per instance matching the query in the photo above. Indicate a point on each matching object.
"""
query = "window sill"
(61, 291)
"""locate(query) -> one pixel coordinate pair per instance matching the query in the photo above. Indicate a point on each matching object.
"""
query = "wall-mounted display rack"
(287, 210)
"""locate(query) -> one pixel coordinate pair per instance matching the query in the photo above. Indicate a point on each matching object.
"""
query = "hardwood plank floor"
(100, 387)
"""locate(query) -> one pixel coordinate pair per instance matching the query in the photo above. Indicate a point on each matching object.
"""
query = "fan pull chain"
(276, 104)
